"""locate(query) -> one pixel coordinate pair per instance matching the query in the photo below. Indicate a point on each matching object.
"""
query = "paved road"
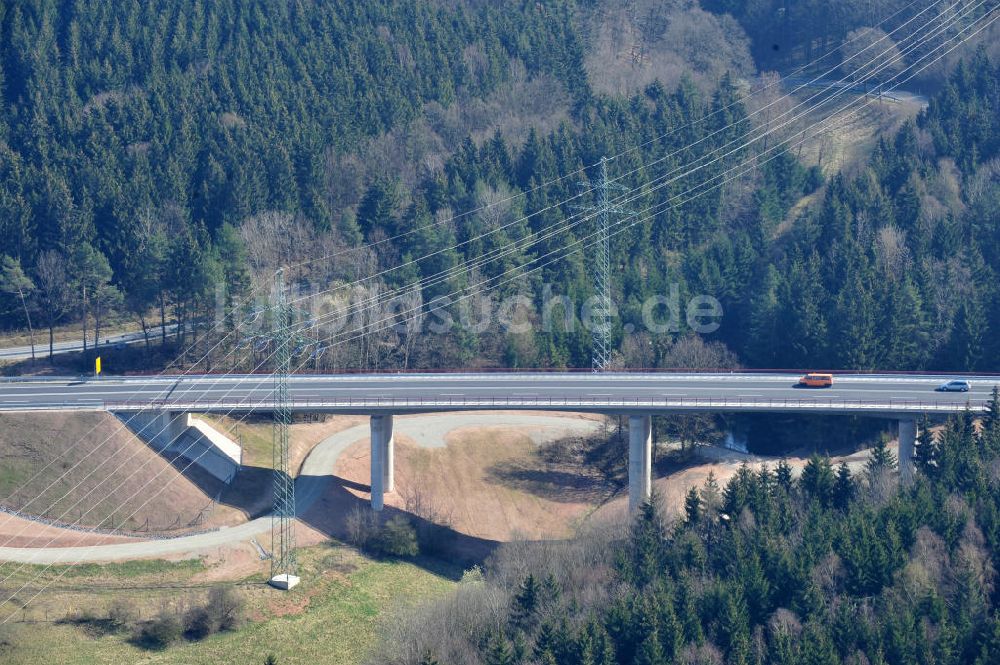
(42, 348)
(426, 393)
(314, 477)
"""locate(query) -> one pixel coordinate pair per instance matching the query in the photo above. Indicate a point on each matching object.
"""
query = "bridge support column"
(640, 460)
(388, 455)
(382, 455)
(907, 441)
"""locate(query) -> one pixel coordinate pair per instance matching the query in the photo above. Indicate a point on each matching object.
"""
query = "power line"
(925, 65)
(484, 259)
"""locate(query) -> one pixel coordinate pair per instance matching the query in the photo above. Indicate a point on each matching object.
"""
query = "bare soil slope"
(85, 469)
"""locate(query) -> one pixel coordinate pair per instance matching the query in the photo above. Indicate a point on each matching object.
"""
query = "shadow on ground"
(562, 485)
(333, 502)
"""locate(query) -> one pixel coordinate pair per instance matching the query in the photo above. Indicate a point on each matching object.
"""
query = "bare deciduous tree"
(870, 52)
(891, 252)
(54, 289)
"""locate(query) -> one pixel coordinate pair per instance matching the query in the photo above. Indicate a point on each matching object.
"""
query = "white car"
(956, 386)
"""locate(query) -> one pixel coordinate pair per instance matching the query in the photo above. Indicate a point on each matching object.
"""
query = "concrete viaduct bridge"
(638, 395)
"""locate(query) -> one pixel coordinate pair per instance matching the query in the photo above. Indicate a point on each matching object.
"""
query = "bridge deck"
(624, 392)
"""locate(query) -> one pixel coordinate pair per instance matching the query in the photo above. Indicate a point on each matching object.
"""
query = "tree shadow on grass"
(570, 469)
(327, 503)
(93, 626)
(565, 485)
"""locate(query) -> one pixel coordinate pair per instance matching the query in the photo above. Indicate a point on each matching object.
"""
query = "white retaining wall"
(188, 437)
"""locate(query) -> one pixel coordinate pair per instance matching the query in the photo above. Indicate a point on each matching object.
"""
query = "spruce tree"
(881, 459)
(544, 641)
(991, 422)
(784, 475)
(647, 535)
(499, 651)
(692, 506)
(817, 479)
(650, 652)
(525, 602)
(843, 487)
(711, 495)
(926, 454)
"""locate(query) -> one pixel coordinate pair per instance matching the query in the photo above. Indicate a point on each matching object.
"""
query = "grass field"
(332, 617)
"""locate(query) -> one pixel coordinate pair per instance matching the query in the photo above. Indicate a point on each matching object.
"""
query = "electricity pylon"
(600, 315)
(282, 519)
(285, 343)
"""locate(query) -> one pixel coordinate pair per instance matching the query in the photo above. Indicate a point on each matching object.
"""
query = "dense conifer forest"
(150, 152)
(834, 566)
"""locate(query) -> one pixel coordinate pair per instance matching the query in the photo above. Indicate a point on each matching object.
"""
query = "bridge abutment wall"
(178, 434)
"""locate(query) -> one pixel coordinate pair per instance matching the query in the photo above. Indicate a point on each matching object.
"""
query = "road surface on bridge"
(625, 392)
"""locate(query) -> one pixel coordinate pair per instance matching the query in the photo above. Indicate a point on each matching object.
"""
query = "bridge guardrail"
(569, 403)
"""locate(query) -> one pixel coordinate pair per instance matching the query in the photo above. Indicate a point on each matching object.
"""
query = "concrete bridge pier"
(383, 457)
(640, 460)
(907, 443)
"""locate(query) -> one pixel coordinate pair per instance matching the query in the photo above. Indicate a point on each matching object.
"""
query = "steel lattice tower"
(600, 315)
(283, 515)
(602, 278)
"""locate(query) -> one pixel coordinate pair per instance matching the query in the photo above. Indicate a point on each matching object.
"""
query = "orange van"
(815, 380)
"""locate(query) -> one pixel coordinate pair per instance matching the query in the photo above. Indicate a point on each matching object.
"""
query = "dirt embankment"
(86, 469)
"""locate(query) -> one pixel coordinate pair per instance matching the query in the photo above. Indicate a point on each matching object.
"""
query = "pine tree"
(881, 459)
(966, 344)
(989, 652)
(991, 421)
(551, 591)
(926, 453)
(544, 641)
(817, 479)
(711, 495)
(783, 474)
(647, 535)
(526, 602)
(498, 651)
(14, 281)
(737, 492)
(650, 652)
(843, 487)
(692, 506)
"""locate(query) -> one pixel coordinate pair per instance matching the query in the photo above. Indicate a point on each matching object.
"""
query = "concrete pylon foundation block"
(284, 581)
